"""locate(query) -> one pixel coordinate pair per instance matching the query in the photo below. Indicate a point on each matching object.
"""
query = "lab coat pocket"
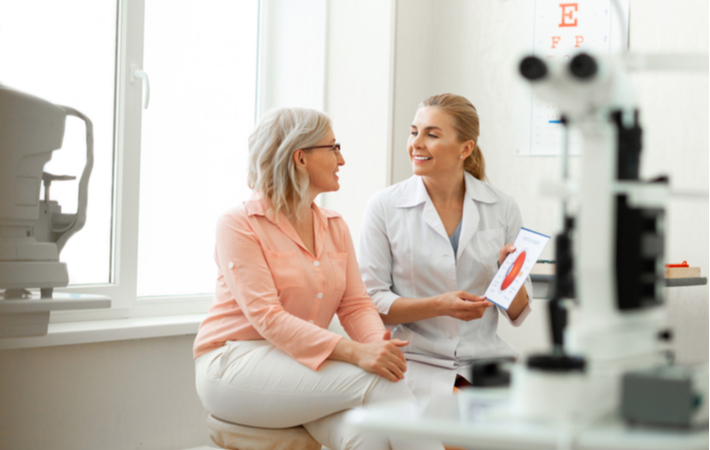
(340, 273)
(286, 269)
(489, 243)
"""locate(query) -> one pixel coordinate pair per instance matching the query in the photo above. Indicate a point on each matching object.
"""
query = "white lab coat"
(405, 252)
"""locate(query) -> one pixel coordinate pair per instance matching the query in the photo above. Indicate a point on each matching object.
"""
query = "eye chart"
(557, 30)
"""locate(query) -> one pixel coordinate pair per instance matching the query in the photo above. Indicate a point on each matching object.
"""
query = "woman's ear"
(299, 158)
(468, 149)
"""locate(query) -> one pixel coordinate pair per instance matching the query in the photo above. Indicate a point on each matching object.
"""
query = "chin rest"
(239, 437)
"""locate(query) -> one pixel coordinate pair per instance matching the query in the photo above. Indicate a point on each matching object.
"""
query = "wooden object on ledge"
(682, 271)
(672, 270)
(678, 275)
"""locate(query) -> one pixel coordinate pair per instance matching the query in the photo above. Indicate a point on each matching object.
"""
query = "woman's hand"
(504, 252)
(383, 357)
(462, 305)
(521, 299)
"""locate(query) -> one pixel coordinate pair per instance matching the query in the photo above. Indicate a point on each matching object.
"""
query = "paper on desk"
(517, 266)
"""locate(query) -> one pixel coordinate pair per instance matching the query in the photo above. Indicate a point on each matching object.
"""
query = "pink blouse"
(269, 286)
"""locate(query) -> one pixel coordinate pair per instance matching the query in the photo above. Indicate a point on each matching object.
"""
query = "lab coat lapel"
(469, 225)
(476, 191)
(430, 216)
(414, 195)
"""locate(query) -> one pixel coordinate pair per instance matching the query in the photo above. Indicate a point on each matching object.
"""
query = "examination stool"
(239, 437)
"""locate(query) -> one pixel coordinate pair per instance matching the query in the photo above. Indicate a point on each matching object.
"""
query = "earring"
(461, 156)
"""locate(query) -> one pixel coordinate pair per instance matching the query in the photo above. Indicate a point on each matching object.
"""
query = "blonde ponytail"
(475, 164)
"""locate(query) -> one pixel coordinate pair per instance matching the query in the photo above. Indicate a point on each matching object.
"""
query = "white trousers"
(253, 383)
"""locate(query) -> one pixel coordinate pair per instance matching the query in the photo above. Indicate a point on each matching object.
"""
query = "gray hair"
(272, 170)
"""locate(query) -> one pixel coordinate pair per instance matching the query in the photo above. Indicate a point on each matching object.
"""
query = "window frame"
(122, 287)
(126, 159)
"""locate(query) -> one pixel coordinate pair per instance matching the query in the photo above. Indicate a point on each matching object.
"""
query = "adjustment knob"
(533, 68)
(583, 66)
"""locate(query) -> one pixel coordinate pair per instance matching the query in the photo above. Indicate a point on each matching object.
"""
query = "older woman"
(431, 244)
(263, 355)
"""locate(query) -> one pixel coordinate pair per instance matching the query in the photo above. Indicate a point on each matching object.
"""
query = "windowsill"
(92, 331)
(70, 333)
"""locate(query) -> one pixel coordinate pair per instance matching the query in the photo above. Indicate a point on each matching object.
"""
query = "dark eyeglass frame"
(334, 147)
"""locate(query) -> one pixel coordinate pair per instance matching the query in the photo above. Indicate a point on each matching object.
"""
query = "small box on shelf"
(682, 270)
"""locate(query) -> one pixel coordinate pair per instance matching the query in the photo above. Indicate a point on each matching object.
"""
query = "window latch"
(143, 75)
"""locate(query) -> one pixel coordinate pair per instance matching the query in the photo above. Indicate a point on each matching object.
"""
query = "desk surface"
(484, 420)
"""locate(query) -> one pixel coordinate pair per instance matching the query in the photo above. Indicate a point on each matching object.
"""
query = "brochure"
(517, 266)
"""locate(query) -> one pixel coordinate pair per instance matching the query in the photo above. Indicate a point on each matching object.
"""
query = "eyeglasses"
(335, 147)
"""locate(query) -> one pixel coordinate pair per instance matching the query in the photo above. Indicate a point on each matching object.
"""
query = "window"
(163, 174)
(50, 51)
(201, 59)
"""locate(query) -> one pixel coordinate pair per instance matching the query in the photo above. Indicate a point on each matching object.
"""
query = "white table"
(483, 420)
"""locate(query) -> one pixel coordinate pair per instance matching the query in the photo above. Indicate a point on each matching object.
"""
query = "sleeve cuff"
(383, 300)
(521, 318)
(316, 361)
(525, 312)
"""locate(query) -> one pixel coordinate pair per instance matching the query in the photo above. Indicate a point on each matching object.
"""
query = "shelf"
(677, 282)
(670, 282)
(30, 316)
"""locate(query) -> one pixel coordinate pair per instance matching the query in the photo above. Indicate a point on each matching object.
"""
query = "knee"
(358, 441)
(385, 391)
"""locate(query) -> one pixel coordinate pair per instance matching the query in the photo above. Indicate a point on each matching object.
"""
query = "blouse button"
(231, 265)
(316, 263)
(310, 321)
(320, 295)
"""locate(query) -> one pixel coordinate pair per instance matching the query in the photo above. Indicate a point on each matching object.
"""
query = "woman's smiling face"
(433, 146)
(322, 165)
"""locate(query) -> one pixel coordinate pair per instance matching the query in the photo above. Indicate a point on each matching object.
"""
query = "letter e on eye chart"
(517, 266)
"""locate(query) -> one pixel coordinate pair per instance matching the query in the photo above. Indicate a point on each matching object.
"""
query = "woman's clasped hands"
(384, 357)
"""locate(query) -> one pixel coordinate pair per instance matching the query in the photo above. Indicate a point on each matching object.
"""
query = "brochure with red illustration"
(517, 266)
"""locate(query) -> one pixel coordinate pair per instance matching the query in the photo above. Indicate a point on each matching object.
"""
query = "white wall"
(359, 101)
(415, 70)
(137, 394)
(292, 43)
(469, 48)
